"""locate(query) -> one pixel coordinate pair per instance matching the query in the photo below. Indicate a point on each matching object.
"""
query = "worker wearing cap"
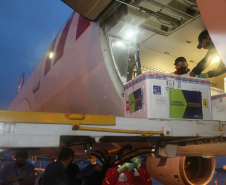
(206, 43)
(181, 66)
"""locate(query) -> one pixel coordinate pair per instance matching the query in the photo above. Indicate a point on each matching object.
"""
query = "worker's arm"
(4, 175)
(216, 72)
(25, 182)
(5, 182)
(203, 64)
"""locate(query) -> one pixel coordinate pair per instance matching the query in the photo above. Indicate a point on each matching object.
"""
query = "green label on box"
(185, 104)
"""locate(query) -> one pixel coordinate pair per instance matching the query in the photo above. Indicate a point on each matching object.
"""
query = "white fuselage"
(78, 83)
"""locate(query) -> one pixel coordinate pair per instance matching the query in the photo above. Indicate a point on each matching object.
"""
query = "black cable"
(132, 151)
(116, 163)
(101, 153)
(98, 157)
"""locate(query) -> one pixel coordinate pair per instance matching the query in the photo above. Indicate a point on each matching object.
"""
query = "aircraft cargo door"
(90, 9)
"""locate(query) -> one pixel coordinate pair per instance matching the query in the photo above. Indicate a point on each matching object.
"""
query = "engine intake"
(181, 170)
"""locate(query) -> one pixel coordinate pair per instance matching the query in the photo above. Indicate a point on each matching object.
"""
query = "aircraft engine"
(181, 170)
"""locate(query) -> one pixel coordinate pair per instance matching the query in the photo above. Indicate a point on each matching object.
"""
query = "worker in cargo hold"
(127, 171)
(181, 66)
(206, 43)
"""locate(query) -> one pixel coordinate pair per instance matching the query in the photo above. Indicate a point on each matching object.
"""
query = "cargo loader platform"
(36, 129)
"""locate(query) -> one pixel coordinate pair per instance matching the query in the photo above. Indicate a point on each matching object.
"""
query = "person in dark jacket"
(94, 174)
(55, 173)
(72, 172)
(206, 43)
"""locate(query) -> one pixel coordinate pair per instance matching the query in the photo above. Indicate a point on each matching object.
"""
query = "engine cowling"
(181, 170)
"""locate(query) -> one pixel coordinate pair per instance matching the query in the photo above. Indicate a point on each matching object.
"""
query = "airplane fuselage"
(78, 82)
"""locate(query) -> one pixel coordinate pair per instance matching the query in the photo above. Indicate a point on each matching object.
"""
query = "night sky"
(27, 29)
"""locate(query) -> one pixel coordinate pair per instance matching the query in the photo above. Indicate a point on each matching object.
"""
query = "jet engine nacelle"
(181, 170)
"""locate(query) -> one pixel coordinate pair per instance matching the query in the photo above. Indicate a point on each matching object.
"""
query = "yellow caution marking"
(205, 103)
(55, 118)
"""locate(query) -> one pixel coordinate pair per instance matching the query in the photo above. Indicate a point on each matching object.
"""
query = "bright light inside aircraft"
(129, 34)
(216, 59)
(51, 55)
(120, 44)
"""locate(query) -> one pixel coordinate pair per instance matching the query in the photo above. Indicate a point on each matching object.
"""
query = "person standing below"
(94, 174)
(19, 173)
(72, 172)
(206, 43)
(55, 173)
(181, 66)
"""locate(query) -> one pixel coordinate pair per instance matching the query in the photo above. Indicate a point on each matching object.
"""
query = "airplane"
(96, 53)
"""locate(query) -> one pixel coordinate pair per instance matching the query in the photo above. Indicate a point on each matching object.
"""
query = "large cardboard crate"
(219, 107)
(160, 95)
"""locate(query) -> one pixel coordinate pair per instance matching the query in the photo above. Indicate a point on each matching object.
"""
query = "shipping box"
(160, 95)
(219, 107)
